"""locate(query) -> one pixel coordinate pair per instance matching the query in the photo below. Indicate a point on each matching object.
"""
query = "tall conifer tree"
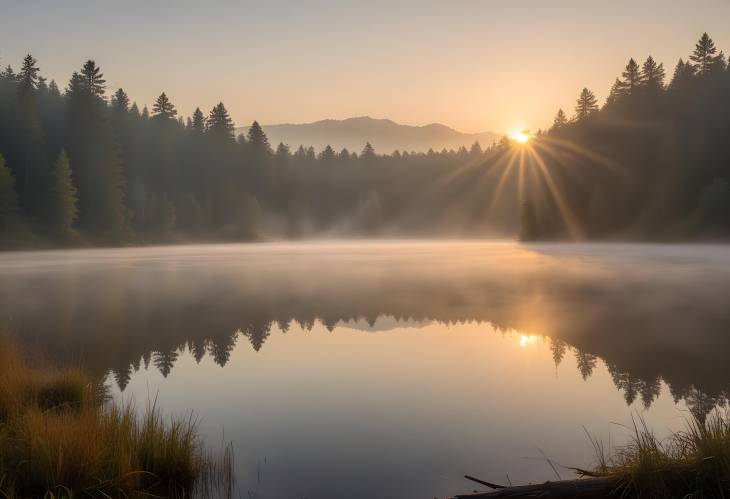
(62, 205)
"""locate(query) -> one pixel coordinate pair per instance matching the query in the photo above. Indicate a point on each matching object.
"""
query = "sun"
(521, 137)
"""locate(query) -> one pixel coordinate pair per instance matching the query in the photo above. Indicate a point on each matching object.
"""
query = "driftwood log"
(583, 488)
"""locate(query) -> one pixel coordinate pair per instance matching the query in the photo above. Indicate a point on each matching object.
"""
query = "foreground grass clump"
(60, 436)
(694, 462)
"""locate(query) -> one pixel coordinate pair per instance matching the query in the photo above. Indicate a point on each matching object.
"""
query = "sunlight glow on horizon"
(355, 59)
(522, 136)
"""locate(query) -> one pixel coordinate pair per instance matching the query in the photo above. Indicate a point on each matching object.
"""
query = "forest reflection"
(649, 313)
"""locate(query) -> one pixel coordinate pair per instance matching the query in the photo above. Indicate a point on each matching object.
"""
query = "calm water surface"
(390, 369)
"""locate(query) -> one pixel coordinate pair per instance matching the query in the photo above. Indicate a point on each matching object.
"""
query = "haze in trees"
(650, 163)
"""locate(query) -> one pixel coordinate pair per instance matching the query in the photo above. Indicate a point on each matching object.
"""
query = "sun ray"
(521, 178)
(502, 180)
(591, 155)
(571, 222)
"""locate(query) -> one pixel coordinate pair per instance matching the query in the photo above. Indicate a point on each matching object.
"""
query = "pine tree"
(120, 101)
(703, 57)
(476, 148)
(652, 74)
(368, 152)
(586, 105)
(28, 76)
(257, 138)
(92, 80)
(8, 196)
(616, 93)
(327, 154)
(33, 169)
(632, 77)
(163, 109)
(62, 205)
(683, 74)
(8, 74)
(95, 156)
(145, 114)
(344, 155)
(220, 123)
(560, 120)
(282, 151)
(198, 121)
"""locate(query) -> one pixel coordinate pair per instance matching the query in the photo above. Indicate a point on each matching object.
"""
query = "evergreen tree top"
(163, 109)
(704, 57)
(198, 121)
(560, 119)
(631, 75)
(652, 74)
(586, 105)
(327, 154)
(368, 151)
(220, 123)
(28, 76)
(120, 101)
(92, 79)
(257, 137)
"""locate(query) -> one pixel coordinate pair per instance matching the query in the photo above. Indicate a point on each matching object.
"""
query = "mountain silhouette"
(385, 135)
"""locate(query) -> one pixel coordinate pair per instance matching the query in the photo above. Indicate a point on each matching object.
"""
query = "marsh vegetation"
(61, 436)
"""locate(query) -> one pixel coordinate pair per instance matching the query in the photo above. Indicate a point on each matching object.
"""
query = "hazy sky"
(475, 65)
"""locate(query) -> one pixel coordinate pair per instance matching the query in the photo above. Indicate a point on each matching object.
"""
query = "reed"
(61, 436)
(693, 462)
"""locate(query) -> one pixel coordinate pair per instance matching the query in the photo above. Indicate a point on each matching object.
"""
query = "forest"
(651, 163)
(83, 165)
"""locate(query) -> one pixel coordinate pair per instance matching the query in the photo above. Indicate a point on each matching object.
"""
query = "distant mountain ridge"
(385, 135)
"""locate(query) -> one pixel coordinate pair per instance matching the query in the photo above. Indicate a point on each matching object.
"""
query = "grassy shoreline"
(62, 436)
(692, 462)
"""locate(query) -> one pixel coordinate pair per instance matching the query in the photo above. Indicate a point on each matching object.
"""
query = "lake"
(389, 369)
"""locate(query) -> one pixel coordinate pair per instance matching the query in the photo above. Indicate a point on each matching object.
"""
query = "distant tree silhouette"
(560, 119)
(618, 90)
(198, 122)
(92, 79)
(257, 138)
(28, 76)
(704, 56)
(586, 105)
(368, 152)
(652, 74)
(327, 154)
(120, 101)
(219, 123)
(632, 77)
(163, 109)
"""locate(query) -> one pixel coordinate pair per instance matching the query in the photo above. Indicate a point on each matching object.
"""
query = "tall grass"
(690, 463)
(61, 436)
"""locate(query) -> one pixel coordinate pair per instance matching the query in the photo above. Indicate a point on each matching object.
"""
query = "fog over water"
(389, 368)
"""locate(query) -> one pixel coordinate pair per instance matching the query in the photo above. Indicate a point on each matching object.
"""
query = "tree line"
(86, 165)
(652, 162)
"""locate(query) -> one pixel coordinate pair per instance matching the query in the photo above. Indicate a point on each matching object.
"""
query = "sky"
(475, 65)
